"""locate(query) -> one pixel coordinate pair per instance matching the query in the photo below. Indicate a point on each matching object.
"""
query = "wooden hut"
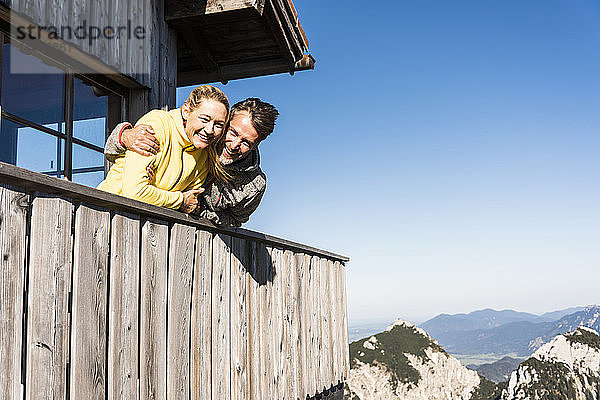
(103, 297)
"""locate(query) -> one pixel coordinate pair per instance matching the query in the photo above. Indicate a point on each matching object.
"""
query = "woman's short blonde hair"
(196, 97)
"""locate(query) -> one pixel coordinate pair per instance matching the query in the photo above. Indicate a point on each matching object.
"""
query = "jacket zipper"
(181, 170)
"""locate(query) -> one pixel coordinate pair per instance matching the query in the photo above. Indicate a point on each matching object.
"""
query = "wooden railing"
(105, 297)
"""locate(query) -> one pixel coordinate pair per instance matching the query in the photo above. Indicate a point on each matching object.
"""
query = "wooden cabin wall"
(152, 62)
(99, 302)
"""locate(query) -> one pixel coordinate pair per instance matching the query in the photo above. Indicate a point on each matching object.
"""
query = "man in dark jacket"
(251, 121)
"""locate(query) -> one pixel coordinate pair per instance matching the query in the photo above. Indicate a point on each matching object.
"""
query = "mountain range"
(487, 319)
(505, 332)
(404, 362)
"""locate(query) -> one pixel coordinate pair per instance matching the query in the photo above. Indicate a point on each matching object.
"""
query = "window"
(55, 121)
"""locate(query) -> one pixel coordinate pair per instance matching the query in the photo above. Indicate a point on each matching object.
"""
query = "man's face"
(240, 138)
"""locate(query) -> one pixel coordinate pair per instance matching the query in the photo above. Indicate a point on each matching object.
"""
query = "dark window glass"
(90, 109)
(8, 139)
(37, 97)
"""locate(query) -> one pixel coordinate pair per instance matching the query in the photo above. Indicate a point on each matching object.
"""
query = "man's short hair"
(262, 115)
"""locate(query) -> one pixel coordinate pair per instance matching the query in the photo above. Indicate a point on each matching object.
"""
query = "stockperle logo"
(112, 44)
(81, 32)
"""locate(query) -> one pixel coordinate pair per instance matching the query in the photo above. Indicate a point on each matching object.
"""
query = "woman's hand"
(141, 140)
(190, 200)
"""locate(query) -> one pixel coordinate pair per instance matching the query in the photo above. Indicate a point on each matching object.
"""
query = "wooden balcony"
(103, 297)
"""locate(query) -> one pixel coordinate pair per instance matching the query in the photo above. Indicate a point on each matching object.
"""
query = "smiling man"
(251, 121)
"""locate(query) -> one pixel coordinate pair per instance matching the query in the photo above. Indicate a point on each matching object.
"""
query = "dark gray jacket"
(223, 203)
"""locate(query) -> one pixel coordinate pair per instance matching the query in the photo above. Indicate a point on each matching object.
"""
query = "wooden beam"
(178, 9)
(297, 25)
(290, 28)
(280, 36)
(234, 71)
(200, 50)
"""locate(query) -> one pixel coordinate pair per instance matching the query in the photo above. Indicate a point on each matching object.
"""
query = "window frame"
(116, 112)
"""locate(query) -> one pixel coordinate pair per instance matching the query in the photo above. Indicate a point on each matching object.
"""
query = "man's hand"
(141, 140)
(190, 200)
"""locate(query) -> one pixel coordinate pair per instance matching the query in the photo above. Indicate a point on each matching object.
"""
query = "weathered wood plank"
(343, 328)
(167, 58)
(88, 332)
(93, 18)
(134, 47)
(201, 338)
(337, 321)
(291, 320)
(168, 67)
(13, 215)
(50, 11)
(334, 337)
(138, 100)
(64, 10)
(265, 272)
(27, 7)
(123, 318)
(303, 267)
(240, 261)
(99, 16)
(309, 305)
(277, 324)
(152, 59)
(285, 357)
(153, 310)
(181, 264)
(80, 12)
(221, 302)
(150, 53)
(49, 287)
(344, 314)
(66, 16)
(254, 324)
(170, 98)
(117, 51)
(317, 358)
(325, 366)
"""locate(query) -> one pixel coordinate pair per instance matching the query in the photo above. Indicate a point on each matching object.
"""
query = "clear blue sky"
(450, 148)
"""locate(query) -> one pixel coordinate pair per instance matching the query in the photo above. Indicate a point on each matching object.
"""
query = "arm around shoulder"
(114, 147)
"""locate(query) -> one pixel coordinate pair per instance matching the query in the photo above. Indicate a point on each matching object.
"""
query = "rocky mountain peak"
(404, 362)
(566, 367)
(406, 324)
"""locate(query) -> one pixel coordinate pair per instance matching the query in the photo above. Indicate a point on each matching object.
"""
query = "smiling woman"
(185, 157)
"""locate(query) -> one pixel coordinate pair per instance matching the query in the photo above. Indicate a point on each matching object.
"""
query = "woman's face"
(205, 123)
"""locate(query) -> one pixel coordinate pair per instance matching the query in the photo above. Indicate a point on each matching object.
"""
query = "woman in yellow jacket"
(185, 158)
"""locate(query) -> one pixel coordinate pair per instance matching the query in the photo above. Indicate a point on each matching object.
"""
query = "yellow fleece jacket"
(178, 166)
